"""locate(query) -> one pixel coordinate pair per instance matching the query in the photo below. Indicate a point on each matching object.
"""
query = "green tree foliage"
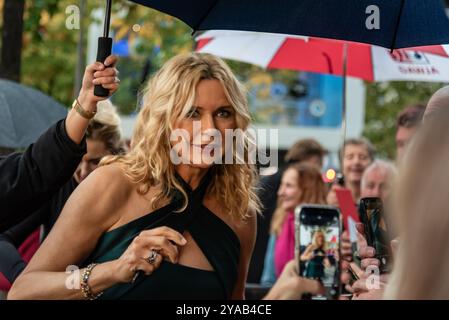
(157, 38)
(49, 53)
(49, 48)
(384, 102)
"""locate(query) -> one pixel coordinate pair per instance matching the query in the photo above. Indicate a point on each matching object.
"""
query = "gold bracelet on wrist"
(81, 111)
(85, 288)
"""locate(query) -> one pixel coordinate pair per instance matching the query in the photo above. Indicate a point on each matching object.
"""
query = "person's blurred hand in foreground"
(290, 286)
(370, 285)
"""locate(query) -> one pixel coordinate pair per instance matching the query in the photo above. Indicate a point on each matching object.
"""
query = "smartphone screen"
(318, 231)
(375, 227)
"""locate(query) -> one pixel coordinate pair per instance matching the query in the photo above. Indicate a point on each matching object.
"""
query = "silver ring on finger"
(152, 258)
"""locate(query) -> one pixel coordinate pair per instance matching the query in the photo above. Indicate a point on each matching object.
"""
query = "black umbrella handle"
(104, 51)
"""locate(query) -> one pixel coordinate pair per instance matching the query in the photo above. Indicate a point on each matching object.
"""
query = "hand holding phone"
(317, 231)
(375, 230)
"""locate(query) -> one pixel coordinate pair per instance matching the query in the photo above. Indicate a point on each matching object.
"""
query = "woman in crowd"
(301, 184)
(148, 226)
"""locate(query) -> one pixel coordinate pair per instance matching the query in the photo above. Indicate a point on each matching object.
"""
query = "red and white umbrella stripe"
(371, 63)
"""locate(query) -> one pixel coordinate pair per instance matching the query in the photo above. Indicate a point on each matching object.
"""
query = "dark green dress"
(315, 266)
(215, 238)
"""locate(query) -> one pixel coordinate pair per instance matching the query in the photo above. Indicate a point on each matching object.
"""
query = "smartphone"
(317, 238)
(340, 179)
(375, 228)
(354, 276)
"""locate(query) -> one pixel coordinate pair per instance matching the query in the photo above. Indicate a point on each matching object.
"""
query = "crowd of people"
(138, 226)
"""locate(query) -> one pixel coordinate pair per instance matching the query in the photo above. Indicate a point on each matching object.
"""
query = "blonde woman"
(315, 256)
(301, 184)
(143, 227)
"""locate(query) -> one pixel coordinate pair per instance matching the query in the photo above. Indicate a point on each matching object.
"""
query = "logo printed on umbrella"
(413, 62)
(409, 57)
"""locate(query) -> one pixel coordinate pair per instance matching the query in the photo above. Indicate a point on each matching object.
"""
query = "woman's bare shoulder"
(103, 193)
(112, 179)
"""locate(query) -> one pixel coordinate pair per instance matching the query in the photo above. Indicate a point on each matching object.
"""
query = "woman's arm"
(95, 73)
(308, 254)
(28, 180)
(247, 236)
(95, 206)
(89, 212)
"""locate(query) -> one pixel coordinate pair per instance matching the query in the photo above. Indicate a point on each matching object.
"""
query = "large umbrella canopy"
(367, 62)
(386, 23)
(24, 114)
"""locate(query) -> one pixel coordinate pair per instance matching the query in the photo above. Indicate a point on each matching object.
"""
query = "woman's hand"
(163, 240)
(350, 273)
(369, 287)
(367, 254)
(346, 247)
(98, 74)
(308, 254)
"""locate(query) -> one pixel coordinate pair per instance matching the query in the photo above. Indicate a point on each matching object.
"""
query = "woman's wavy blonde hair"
(315, 236)
(169, 96)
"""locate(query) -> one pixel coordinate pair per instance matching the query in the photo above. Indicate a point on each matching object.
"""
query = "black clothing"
(30, 179)
(11, 263)
(216, 239)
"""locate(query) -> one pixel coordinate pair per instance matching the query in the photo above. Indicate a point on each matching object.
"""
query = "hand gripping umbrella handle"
(104, 50)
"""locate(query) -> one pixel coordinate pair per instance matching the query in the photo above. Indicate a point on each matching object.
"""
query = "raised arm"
(96, 73)
(29, 179)
(308, 253)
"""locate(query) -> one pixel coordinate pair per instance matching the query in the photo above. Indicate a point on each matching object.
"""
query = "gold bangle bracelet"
(81, 111)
